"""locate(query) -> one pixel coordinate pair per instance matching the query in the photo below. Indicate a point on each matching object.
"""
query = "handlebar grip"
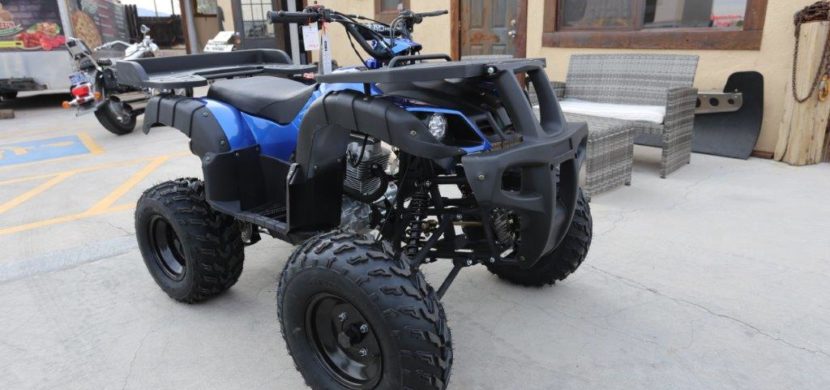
(433, 13)
(292, 17)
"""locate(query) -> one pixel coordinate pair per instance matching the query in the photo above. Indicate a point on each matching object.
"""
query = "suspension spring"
(418, 212)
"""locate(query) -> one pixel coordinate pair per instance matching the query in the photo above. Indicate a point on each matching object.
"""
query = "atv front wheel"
(354, 317)
(192, 252)
(560, 263)
(115, 117)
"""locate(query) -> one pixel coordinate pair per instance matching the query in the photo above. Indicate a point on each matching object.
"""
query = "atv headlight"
(437, 126)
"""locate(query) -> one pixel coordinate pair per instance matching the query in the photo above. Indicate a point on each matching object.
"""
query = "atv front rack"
(196, 70)
(429, 71)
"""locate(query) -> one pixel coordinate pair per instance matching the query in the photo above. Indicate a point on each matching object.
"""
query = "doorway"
(252, 24)
(492, 28)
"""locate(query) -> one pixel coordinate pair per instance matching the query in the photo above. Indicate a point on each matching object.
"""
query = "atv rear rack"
(196, 70)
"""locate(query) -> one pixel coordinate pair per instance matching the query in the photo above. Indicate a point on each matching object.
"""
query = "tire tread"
(214, 237)
(407, 303)
(560, 263)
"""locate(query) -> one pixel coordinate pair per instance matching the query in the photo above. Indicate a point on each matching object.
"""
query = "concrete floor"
(713, 278)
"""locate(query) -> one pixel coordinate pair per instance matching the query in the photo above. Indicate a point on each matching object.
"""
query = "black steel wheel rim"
(344, 342)
(167, 248)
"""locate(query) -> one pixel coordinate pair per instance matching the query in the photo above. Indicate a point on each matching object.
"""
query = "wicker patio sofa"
(653, 92)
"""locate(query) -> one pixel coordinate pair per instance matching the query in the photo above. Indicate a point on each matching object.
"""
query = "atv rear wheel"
(560, 263)
(354, 317)
(115, 117)
(192, 252)
(4, 96)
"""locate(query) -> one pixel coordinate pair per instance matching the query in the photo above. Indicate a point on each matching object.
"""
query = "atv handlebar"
(315, 14)
(293, 17)
(433, 13)
(419, 16)
(363, 33)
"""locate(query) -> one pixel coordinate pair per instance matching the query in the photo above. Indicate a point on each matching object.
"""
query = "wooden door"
(493, 27)
(252, 24)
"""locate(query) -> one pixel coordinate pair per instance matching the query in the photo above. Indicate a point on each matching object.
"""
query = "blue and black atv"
(373, 172)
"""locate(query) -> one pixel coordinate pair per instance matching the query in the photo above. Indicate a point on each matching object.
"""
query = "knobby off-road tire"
(560, 263)
(192, 252)
(406, 329)
(109, 119)
(4, 96)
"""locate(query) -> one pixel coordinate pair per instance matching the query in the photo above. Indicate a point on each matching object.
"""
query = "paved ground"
(713, 278)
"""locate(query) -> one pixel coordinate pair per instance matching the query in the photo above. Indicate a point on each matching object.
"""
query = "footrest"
(269, 217)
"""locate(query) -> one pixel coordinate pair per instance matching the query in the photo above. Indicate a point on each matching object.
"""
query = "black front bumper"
(545, 164)
(548, 159)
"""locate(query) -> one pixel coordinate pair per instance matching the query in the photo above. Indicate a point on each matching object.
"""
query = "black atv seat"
(273, 98)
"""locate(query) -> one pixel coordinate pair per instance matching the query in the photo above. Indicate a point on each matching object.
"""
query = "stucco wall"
(227, 11)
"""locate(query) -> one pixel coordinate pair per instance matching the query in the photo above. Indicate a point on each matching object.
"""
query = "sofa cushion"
(628, 112)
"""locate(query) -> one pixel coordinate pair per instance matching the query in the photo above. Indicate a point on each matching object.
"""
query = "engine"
(367, 192)
(363, 160)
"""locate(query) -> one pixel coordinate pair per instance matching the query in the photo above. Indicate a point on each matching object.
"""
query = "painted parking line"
(16, 201)
(92, 168)
(104, 206)
(47, 149)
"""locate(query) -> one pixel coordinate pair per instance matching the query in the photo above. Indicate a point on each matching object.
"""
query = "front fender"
(324, 132)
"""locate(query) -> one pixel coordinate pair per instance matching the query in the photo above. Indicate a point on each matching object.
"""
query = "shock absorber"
(418, 205)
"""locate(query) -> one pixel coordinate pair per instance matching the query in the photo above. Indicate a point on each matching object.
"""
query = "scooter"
(480, 180)
(94, 86)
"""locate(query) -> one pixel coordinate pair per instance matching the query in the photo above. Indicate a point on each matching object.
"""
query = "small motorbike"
(94, 86)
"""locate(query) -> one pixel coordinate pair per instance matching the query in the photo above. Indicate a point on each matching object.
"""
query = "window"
(597, 14)
(206, 8)
(386, 10)
(717, 14)
(254, 21)
(655, 24)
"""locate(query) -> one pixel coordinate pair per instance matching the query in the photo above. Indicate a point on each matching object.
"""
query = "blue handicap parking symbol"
(44, 149)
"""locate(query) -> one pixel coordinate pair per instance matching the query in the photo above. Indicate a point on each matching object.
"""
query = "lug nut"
(364, 328)
(363, 352)
(342, 316)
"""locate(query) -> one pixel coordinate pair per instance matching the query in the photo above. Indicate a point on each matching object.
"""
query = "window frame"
(554, 35)
(388, 16)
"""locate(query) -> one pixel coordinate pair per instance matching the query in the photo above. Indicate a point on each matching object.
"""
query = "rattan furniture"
(610, 151)
(640, 80)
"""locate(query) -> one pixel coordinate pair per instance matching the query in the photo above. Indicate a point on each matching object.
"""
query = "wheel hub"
(168, 250)
(344, 341)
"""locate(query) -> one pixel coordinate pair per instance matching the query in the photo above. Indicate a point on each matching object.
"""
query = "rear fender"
(237, 173)
(192, 117)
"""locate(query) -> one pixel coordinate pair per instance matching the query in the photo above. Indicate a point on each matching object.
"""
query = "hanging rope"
(818, 12)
